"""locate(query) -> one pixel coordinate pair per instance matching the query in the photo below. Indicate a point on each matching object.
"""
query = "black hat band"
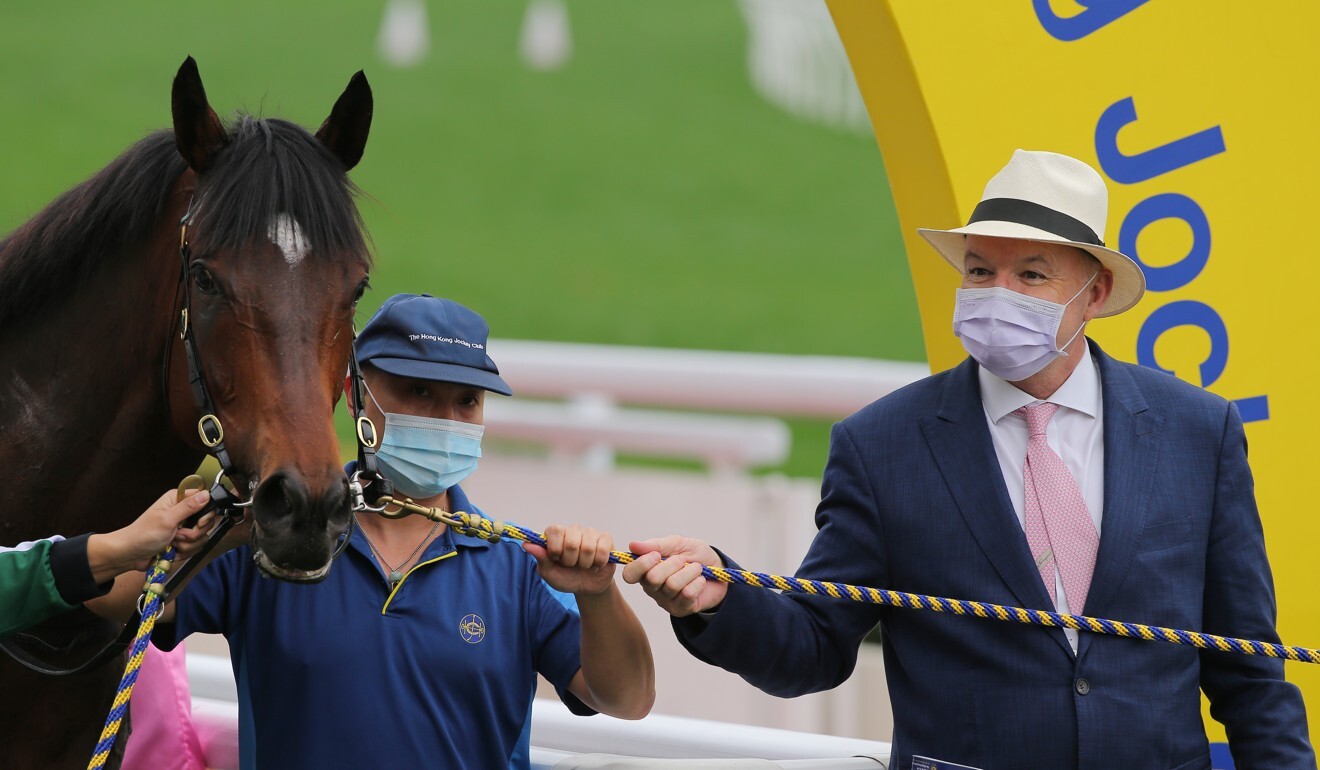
(1035, 215)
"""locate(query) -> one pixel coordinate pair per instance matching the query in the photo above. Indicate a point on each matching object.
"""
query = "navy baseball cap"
(417, 335)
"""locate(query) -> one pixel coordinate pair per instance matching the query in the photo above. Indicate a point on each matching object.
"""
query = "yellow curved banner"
(1201, 120)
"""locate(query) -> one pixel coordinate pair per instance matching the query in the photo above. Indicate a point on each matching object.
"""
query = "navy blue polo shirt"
(440, 673)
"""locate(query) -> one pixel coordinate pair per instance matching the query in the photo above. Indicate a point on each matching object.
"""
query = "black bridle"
(212, 434)
(209, 428)
(367, 473)
(223, 500)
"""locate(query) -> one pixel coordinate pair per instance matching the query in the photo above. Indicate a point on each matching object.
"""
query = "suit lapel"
(1132, 446)
(960, 441)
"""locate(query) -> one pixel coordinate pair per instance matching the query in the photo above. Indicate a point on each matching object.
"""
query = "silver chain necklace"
(396, 575)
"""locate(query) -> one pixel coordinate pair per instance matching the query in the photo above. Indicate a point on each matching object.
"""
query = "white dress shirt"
(1076, 433)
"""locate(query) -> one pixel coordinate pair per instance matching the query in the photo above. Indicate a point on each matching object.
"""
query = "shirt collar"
(1080, 392)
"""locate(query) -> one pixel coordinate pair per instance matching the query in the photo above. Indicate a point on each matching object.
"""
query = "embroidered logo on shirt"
(472, 628)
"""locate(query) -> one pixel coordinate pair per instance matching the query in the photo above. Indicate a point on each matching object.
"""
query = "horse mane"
(115, 208)
(269, 167)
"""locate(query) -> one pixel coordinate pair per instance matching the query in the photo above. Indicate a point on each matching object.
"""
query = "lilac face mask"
(1010, 334)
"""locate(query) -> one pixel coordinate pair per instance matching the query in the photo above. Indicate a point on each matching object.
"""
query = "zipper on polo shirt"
(404, 579)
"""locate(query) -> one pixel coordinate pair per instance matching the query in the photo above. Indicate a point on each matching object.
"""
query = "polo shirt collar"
(1080, 392)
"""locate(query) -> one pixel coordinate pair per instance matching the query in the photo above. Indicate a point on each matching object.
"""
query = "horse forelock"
(274, 176)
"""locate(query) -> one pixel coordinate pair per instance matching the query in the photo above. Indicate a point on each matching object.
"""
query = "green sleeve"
(28, 593)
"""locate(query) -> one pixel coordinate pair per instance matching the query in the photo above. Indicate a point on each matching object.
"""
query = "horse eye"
(204, 281)
(357, 295)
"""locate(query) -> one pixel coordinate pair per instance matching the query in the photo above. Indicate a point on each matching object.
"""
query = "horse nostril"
(284, 498)
(341, 498)
(280, 496)
(334, 506)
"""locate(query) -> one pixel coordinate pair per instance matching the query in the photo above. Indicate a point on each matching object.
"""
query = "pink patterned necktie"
(1058, 526)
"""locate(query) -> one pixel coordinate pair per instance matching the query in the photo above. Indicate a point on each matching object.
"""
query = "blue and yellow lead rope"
(478, 526)
(151, 593)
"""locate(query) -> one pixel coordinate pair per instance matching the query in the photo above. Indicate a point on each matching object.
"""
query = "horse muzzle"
(295, 530)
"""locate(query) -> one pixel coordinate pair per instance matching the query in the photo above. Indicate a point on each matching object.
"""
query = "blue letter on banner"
(1168, 206)
(1130, 169)
(1187, 312)
(1097, 14)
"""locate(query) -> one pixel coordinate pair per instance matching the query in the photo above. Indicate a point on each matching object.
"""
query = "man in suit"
(1039, 473)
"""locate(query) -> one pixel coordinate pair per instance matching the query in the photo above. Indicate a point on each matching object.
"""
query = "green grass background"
(642, 195)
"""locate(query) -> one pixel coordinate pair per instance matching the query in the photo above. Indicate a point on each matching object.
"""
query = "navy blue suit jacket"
(913, 500)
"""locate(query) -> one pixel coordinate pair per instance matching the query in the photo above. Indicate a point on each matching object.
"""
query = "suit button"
(1083, 686)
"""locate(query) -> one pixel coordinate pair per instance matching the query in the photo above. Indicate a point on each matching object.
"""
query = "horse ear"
(344, 133)
(198, 133)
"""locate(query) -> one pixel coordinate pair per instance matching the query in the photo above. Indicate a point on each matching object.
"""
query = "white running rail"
(592, 383)
(828, 387)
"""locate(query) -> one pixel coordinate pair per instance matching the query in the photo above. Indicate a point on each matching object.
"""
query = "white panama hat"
(1051, 198)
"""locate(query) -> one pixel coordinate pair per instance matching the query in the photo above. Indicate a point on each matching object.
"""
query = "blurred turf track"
(642, 195)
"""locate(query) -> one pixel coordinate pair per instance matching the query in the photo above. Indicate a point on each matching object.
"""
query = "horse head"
(274, 262)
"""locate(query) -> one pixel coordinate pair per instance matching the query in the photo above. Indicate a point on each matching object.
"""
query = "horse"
(242, 240)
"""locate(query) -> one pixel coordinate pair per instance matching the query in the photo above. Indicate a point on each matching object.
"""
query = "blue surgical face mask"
(424, 456)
